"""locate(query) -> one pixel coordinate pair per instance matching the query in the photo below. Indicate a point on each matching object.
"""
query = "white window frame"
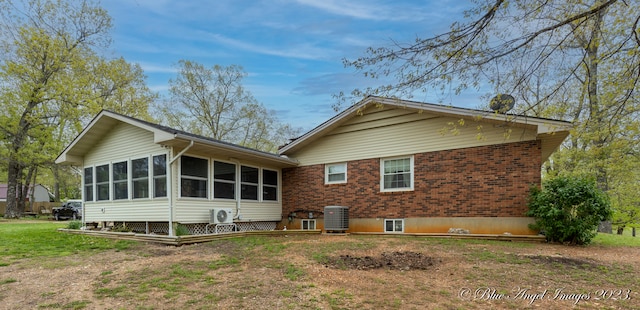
(327, 167)
(92, 185)
(264, 185)
(309, 222)
(126, 181)
(135, 180)
(96, 184)
(394, 231)
(236, 171)
(196, 178)
(153, 177)
(382, 174)
(247, 183)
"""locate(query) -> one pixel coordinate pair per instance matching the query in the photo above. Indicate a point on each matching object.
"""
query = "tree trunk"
(13, 174)
(56, 183)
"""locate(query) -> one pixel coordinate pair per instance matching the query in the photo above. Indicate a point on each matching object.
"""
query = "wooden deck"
(190, 239)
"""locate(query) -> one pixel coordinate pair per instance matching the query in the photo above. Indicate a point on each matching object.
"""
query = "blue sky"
(292, 50)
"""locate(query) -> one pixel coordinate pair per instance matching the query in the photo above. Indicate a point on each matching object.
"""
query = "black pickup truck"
(71, 209)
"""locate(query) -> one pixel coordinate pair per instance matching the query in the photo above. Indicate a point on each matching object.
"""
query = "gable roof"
(551, 132)
(106, 120)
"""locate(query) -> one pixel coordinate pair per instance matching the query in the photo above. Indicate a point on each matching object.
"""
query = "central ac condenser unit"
(221, 216)
(336, 218)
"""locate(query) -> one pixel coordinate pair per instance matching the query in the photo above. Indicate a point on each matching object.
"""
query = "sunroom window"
(224, 180)
(88, 184)
(269, 185)
(193, 177)
(140, 177)
(160, 176)
(120, 181)
(249, 183)
(102, 182)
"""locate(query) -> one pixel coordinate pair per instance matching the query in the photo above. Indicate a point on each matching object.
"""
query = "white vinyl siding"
(335, 173)
(123, 139)
(394, 132)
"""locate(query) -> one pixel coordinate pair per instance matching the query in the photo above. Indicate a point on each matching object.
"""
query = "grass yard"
(41, 268)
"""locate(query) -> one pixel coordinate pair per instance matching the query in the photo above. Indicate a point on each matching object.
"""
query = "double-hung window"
(249, 183)
(160, 176)
(193, 177)
(88, 184)
(102, 182)
(224, 180)
(397, 174)
(120, 181)
(140, 177)
(269, 185)
(335, 173)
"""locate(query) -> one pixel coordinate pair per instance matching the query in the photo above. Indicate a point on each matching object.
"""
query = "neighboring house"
(399, 166)
(40, 194)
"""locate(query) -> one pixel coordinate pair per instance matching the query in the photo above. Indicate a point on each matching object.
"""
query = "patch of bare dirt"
(328, 272)
(386, 260)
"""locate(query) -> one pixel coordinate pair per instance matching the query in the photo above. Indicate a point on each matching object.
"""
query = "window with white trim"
(224, 180)
(394, 225)
(160, 176)
(269, 185)
(249, 183)
(335, 173)
(120, 180)
(102, 182)
(308, 224)
(396, 174)
(88, 184)
(140, 177)
(193, 177)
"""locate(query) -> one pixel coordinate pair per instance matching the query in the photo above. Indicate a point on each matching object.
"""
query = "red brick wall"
(487, 181)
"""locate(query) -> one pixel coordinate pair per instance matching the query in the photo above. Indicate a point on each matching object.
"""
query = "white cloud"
(300, 51)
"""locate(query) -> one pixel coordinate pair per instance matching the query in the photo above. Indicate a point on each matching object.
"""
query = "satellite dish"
(502, 103)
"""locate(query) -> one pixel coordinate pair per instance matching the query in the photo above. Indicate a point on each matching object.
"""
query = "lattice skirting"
(142, 227)
(194, 229)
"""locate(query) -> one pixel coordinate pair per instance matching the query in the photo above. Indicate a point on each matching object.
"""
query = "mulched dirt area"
(386, 260)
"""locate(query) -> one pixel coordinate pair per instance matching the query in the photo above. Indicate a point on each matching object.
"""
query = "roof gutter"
(239, 149)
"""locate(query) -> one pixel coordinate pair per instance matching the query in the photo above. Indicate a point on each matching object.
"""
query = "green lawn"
(29, 239)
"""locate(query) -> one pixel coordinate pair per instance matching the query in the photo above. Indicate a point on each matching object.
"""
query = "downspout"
(170, 189)
(238, 188)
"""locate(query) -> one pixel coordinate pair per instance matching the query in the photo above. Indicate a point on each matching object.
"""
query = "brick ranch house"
(398, 166)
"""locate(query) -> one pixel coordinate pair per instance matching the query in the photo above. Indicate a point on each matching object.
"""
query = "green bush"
(74, 225)
(182, 230)
(568, 210)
